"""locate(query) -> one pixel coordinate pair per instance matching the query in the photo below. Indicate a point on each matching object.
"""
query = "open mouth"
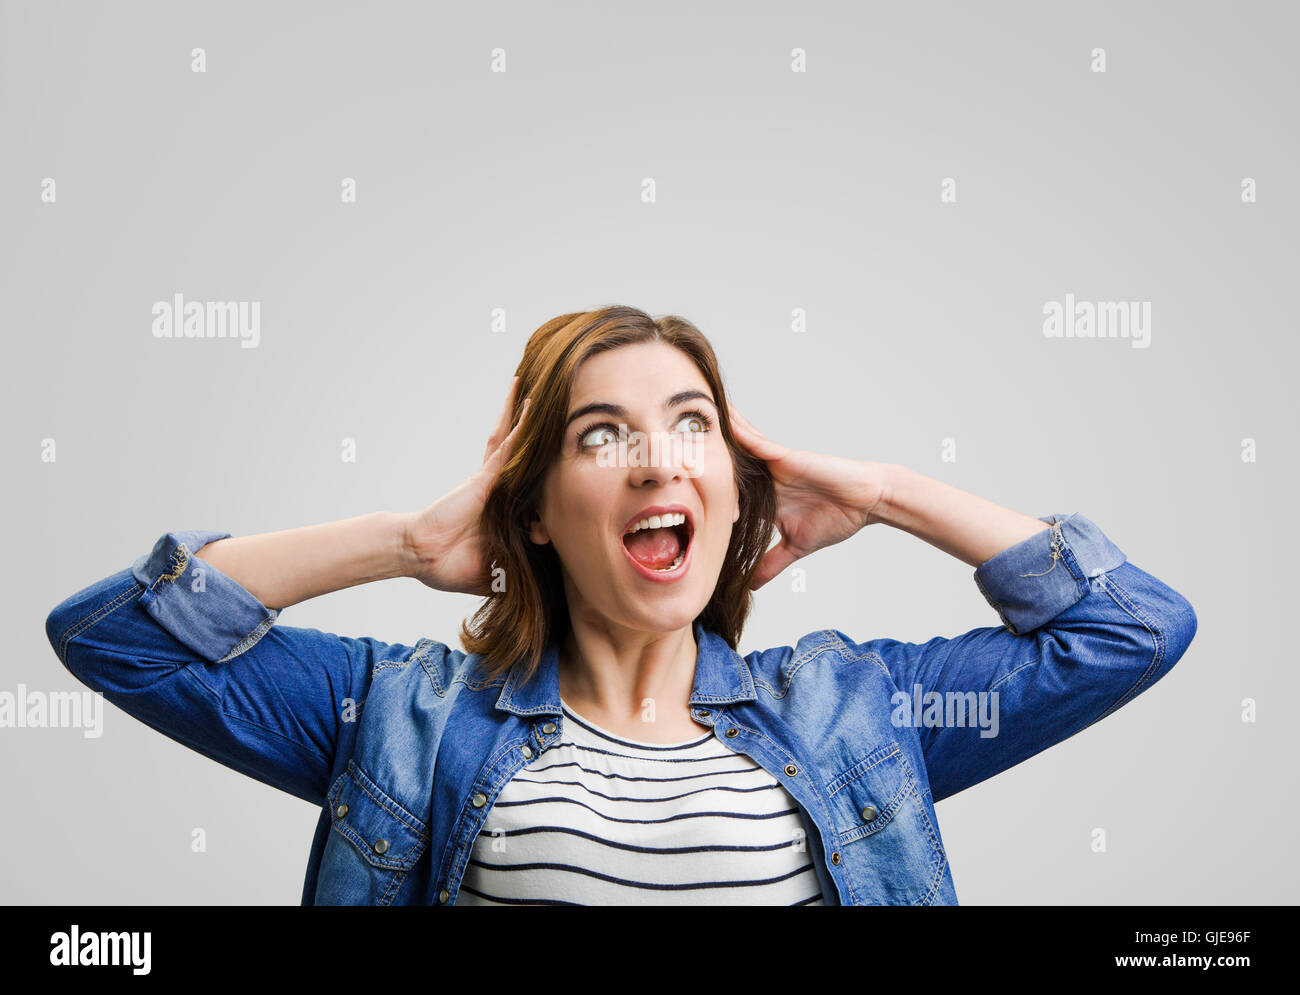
(659, 544)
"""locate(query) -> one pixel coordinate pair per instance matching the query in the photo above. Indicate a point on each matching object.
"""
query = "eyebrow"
(618, 411)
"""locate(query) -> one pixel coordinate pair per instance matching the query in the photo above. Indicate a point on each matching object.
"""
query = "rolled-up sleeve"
(1037, 579)
(1083, 632)
(203, 608)
(190, 652)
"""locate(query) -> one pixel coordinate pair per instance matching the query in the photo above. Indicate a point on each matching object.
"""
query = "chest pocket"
(373, 843)
(888, 847)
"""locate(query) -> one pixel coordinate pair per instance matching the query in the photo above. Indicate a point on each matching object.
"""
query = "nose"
(659, 459)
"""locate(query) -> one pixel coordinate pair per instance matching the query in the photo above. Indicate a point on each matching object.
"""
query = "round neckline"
(704, 733)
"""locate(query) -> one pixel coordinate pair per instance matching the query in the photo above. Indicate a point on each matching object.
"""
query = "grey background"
(776, 190)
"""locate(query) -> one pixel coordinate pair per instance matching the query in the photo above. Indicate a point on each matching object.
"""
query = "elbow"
(1156, 624)
(57, 626)
(1180, 628)
(1168, 618)
(94, 611)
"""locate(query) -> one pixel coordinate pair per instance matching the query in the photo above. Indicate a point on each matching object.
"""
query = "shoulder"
(822, 652)
(430, 664)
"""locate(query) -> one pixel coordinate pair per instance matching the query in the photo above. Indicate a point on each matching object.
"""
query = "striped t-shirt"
(599, 819)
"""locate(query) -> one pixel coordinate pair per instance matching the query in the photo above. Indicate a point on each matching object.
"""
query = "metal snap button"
(869, 813)
(702, 713)
(528, 752)
(443, 896)
(548, 728)
(835, 858)
(791, 769)
(381, 846)
(341, 811)
(479, 799)
(733, 731)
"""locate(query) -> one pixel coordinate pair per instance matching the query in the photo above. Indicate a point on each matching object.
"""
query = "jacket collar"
(721, 677)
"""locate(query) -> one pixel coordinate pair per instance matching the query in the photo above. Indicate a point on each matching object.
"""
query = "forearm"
(959, 523)
(284, 568)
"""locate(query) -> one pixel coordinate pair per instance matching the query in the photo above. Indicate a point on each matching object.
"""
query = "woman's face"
(597, 490)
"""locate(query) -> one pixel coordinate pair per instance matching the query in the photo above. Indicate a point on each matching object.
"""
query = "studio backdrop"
(1044, 253)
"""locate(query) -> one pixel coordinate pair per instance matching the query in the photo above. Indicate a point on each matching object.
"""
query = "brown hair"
(514, 626)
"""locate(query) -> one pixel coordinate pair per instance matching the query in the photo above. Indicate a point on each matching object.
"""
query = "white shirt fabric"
(600, 819)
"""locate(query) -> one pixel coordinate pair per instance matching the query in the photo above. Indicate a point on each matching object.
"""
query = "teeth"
(659, 522)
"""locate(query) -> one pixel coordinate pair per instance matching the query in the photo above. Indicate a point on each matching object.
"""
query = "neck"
(627, 674)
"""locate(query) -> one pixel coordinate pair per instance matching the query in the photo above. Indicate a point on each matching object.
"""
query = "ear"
(537, 531)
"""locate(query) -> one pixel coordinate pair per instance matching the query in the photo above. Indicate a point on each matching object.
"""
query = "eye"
(603, 429)
(606, 433)
(699, 416)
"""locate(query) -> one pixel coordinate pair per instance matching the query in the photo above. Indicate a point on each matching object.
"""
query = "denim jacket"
(405, 748)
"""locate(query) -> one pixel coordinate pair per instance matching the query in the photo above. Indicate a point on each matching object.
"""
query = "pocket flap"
(382, 831)
(868, 795)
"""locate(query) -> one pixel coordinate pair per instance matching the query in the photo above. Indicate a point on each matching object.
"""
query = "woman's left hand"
(821, 500)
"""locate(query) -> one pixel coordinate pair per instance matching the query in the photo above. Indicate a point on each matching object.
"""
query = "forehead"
(643, 373)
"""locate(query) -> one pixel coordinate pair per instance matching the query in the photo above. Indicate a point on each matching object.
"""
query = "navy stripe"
(514, 901)
(657, 798)
(751, 768)
(646, 885)
(648, 760)
(648, 822)
(630, 742)
(705, 848)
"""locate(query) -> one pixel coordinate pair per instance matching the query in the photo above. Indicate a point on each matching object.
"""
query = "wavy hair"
(513, 627)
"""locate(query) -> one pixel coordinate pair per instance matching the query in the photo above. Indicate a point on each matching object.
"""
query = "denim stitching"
(865, 654)
(1113, 588)
(250, 640)
(934, 839)
(997, 605)
(400, 865)
(394, 883)
(422, 658)
(1006, 677)
(816, 789)
(893, 750)
(886, 815)
(77, 628)
(397, 811)
(812, 654)
(457, 868)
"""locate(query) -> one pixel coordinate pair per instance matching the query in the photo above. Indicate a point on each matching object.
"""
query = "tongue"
(654, 548)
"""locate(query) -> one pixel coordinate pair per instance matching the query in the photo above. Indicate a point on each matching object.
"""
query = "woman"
(600, 740)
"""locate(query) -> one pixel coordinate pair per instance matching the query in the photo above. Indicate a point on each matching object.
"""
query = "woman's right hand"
(446, 539)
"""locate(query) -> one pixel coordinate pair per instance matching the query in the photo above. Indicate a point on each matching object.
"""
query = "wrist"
(893, 481)
(407, 561)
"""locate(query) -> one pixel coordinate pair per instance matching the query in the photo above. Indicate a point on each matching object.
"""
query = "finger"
(498, 458)
(774, 561)
(502, 427)
(760, 445)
